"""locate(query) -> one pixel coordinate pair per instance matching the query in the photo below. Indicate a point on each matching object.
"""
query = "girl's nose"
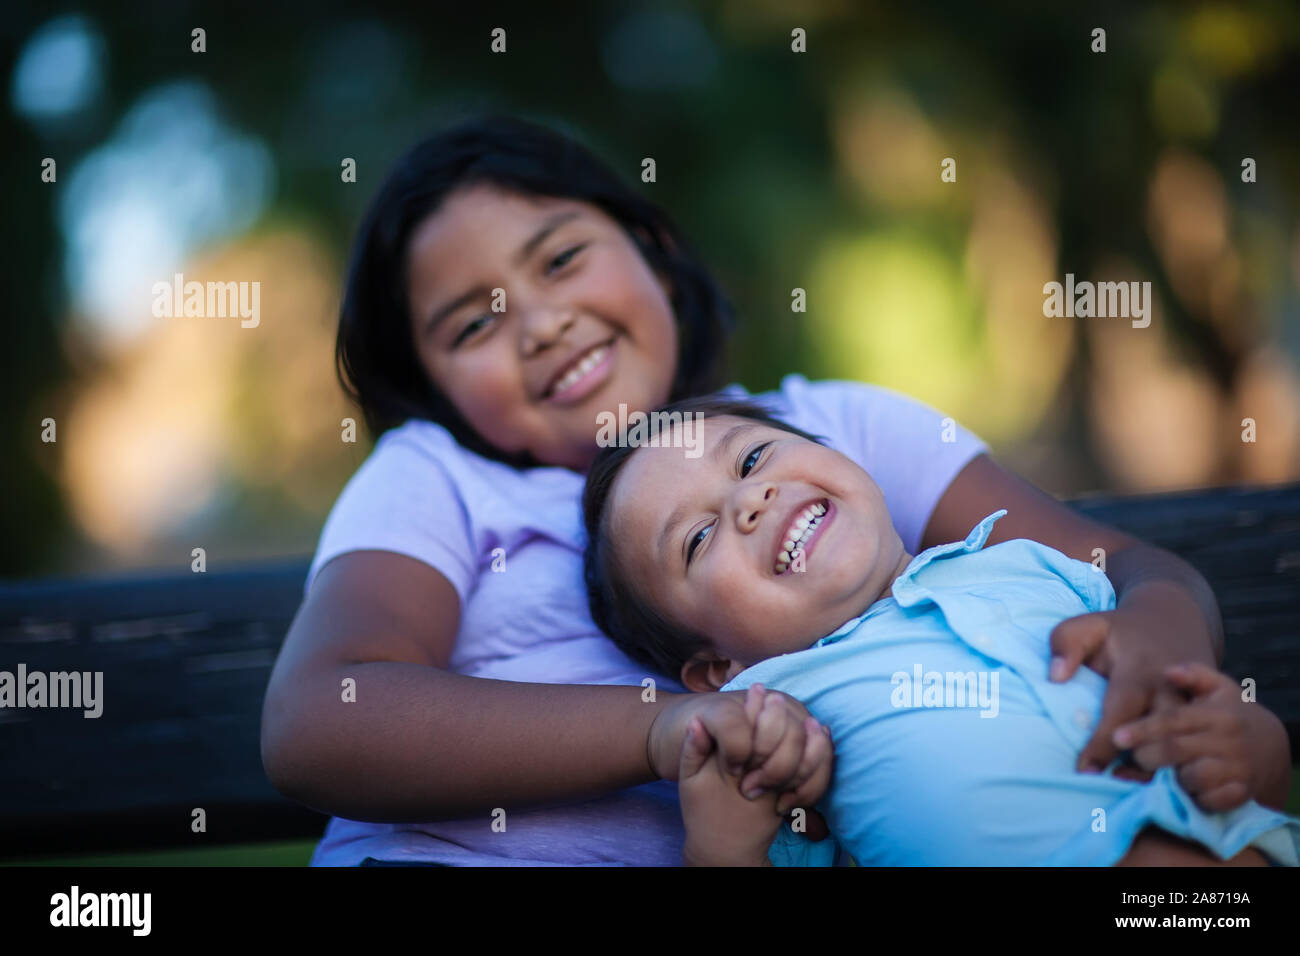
(542, 327)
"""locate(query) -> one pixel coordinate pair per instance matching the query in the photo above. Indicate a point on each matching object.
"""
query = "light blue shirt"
(953, 748)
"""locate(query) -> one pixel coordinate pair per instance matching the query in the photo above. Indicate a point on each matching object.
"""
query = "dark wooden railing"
(186, 659)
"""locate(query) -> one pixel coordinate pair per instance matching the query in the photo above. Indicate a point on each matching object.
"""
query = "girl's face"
(709, 538)
(585, 323)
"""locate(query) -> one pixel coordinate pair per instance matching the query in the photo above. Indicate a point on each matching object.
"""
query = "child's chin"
(862, 557)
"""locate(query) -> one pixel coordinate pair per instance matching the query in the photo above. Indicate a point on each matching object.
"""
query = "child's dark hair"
(644, 633)
(375, 360)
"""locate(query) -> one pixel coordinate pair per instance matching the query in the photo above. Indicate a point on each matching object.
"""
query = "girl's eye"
(746, 467)
(565, 257)
(696, 541)
(470, 329)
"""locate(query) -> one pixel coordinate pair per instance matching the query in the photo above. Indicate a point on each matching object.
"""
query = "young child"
(756, 554)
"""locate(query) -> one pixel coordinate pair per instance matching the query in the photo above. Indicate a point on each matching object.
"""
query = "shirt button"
(1082, 719)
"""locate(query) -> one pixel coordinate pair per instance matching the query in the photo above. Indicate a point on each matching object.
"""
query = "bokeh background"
(817, 170)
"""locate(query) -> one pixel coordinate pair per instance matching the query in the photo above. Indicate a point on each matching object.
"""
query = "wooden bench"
(186, 658)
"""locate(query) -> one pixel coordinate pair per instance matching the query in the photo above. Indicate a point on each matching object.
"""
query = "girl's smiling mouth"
(804, 529)
(582, 375)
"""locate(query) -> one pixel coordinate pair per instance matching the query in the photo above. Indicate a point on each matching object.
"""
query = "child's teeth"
(798, 533)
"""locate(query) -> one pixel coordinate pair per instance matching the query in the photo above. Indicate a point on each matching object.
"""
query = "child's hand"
(723, 827)
(774, 747)
(1226, 750)
(765, 732)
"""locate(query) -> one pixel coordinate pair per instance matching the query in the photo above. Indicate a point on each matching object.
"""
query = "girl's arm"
(422, 743)
(1165, 611)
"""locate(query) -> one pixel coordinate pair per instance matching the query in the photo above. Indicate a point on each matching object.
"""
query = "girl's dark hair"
(645, 633)
(375, 359)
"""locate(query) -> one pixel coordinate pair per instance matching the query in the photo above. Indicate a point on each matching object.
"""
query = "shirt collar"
(973, 542)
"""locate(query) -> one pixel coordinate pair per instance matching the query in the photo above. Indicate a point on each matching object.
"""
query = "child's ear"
(705, 672)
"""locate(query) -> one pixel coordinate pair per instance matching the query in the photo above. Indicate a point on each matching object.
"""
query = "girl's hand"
(723, 828)
(763, 731)
(1131, 646)
(1227, 750)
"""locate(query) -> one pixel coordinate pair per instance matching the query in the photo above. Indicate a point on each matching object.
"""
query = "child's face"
(583, 287)
(738, 504)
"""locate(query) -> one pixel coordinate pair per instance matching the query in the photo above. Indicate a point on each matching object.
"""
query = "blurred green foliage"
(816, 170)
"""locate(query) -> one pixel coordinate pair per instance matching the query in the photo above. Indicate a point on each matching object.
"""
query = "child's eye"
(470, 329)
(565, 257)
(751, 460)
(696, 541)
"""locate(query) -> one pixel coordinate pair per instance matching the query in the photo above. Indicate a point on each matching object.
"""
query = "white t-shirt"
(423, 495)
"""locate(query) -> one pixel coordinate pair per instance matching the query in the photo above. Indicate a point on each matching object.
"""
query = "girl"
(505, 288)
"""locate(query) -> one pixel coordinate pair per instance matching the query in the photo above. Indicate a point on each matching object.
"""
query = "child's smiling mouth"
(804, 527)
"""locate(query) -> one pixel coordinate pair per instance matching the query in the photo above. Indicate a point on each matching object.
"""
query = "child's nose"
(752, 501)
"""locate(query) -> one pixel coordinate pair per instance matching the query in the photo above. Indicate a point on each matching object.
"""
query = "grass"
(286, 853)
(298, 852)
